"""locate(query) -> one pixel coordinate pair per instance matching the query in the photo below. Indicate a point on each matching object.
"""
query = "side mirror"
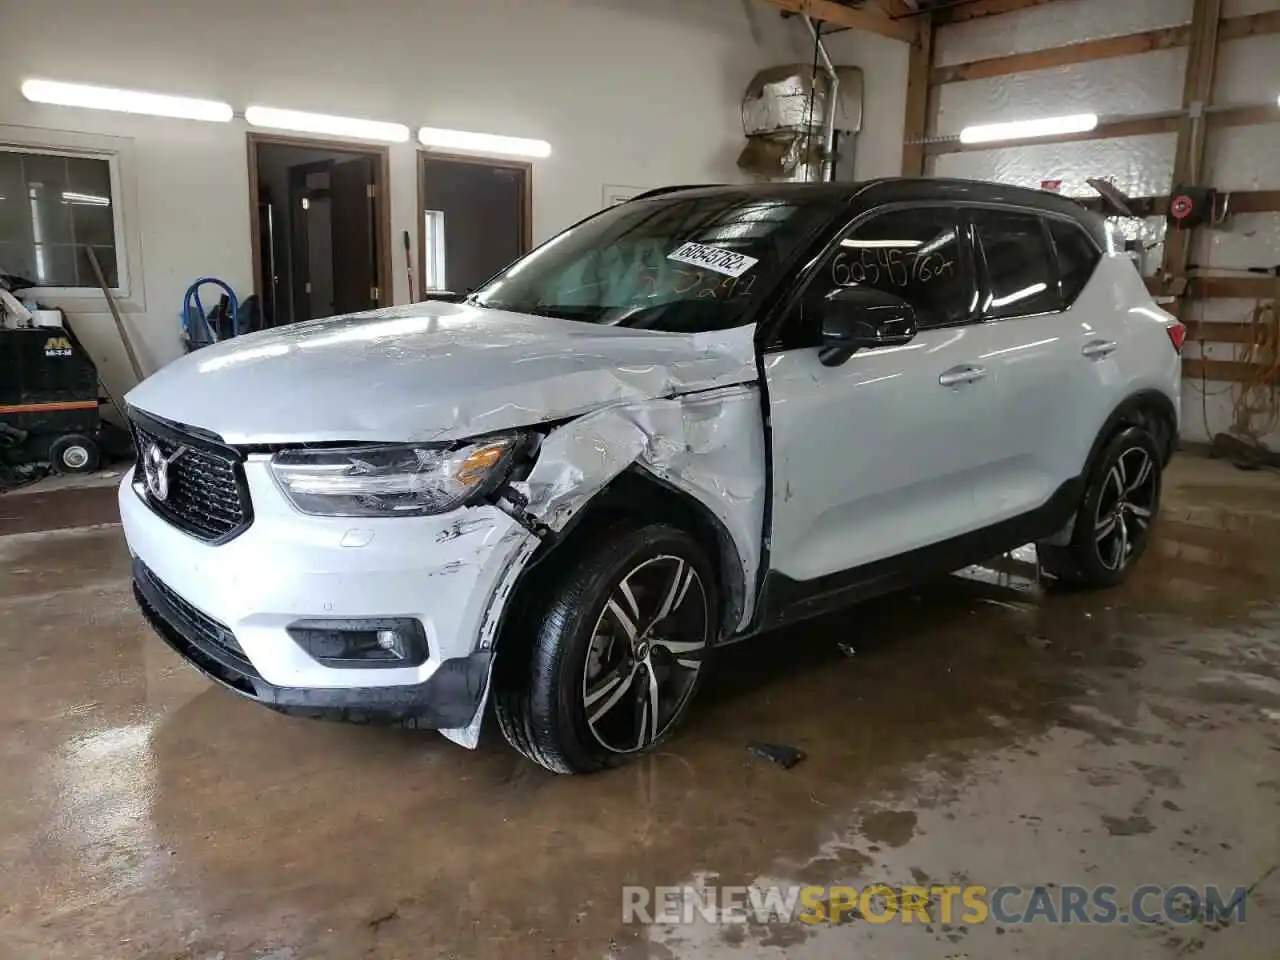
(857, 317)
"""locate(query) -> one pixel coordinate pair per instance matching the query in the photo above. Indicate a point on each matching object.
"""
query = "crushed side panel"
(709, 445)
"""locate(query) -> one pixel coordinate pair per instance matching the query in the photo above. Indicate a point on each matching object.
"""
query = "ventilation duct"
(784, 115)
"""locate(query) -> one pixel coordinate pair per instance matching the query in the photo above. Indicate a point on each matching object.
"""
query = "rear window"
(1077, 258)
(1020, 265)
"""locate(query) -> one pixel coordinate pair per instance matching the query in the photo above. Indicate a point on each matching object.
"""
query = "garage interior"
(983, 729)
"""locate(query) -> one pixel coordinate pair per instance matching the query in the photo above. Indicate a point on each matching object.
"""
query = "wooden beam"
(916, 127)
(1233, 28)
(1259, 24)
(1227, 371)
(983, 8)
(1090, 50)
(1253, 201)
(849, 17)
(1188, 163)
(1243, 116)
(1219, 288)
(1222, 332)
(1238, 201)
(896, 8)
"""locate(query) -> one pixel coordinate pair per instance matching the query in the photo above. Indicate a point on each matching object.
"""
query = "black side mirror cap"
(855, 318)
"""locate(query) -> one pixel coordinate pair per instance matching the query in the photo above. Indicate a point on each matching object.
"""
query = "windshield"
(675, 263)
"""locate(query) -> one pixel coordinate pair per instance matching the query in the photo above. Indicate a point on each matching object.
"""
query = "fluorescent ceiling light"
(1018, 129)
(323, 123)
(483, 142)
(92, 199)
(125, 101)
(880, 244)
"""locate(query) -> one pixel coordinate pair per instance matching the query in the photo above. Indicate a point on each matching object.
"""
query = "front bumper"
(450, 698)
(226, 608)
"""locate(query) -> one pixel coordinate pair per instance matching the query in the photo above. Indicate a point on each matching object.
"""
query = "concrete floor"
(983, 732)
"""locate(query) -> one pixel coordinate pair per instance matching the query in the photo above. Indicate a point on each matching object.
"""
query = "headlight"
(404, 480)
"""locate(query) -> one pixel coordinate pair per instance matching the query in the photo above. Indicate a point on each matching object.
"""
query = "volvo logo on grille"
(155, 467)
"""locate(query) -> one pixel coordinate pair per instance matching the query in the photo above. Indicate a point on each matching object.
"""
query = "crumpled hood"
(430, 371)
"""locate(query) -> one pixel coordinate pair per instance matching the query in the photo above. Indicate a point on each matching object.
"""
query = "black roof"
(873, 193)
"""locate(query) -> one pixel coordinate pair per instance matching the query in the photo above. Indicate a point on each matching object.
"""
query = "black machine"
(48, 401)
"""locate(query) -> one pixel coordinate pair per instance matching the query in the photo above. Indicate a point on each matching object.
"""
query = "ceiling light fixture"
(1020, 129)
(483, 142)
(91, 199)
(125, 101)
(322, 123)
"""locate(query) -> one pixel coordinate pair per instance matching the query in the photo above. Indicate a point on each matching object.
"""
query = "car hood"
(430, 371)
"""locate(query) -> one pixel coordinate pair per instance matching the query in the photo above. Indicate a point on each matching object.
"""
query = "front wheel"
(612, 657)
(1113, 525)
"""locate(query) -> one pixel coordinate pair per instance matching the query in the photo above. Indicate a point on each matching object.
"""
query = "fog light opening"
(362, 643)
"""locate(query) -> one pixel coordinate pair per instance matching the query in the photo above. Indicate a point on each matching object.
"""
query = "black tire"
(1113, 525)
(74, 453)
(544, 678)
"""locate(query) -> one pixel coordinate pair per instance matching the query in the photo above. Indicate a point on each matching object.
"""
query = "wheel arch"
(1152, 409)
(638, 495)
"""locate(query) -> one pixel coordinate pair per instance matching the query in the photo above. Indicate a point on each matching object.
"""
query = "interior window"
(1019, 264)
(1077, 258)
(52, 207)
(914, 254)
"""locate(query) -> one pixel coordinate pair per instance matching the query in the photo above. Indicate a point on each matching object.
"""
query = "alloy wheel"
(1125, 507)
(646, 650)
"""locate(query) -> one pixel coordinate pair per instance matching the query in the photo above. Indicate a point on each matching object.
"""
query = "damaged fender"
(709, 445)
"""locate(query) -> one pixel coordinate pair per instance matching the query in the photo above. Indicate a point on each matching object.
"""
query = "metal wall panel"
(1054, 24)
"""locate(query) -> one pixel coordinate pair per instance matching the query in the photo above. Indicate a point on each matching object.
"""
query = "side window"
(914, 254)
(1077, 258)
(1020, 266)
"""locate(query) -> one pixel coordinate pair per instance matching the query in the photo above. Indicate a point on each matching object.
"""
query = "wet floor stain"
(987, 730)
(1127, 826)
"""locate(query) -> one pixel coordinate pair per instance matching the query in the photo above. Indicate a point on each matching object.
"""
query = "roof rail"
(660, 191)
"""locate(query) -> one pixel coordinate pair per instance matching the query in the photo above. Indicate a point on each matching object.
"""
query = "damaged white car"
(686, 420)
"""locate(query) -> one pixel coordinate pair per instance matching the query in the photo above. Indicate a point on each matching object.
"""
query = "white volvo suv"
(688, 419)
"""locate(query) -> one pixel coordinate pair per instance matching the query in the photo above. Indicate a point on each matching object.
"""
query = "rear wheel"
(74, 453)
(610, 661)
(1113, 524)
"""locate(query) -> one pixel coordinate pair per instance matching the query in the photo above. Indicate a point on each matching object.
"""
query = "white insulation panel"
(1244, 8)
(1247, 71)
(1244, 240)
(1055, 24)
(1125, 86)
(1139, 166)
(1244, 158)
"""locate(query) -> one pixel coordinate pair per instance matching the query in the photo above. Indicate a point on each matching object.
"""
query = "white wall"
(884, 99)
(1239, 158)
(637, 93)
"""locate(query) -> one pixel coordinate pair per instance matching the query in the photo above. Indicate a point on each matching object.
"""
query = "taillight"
(1177, 335)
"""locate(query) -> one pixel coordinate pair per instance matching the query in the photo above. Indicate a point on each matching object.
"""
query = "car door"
(1043, 359)
(886, 453)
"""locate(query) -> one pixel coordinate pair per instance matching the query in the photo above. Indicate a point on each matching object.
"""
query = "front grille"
(194, 626)
(207, 495)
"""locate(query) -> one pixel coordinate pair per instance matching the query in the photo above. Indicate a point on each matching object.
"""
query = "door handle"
(1097, 349)
(965, 373)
